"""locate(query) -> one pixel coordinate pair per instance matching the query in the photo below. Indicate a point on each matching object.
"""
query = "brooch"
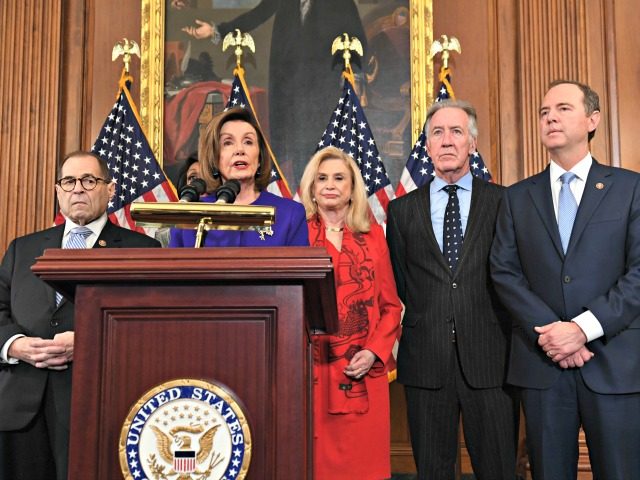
(262, 231)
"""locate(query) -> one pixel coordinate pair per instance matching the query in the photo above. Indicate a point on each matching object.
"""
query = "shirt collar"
(96, 226)
(581, 169)
(464, 183)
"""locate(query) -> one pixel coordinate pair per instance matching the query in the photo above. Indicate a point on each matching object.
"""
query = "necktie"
(452, 231)
(77, 239)
(567, 208)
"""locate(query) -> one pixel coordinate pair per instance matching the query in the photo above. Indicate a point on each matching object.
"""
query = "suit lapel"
(591, 198)
(109, 237)
(424, 207)
(52, 239)
(475, 220)
(540, 193)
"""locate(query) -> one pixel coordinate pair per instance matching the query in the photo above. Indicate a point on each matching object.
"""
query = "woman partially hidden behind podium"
(351, 391)
(233, 148)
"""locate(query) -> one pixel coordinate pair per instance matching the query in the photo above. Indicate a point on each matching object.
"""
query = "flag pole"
(239, 72)
(122, 143)
(241, 40)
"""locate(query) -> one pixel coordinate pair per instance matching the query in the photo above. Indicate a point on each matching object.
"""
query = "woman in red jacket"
(351, 391)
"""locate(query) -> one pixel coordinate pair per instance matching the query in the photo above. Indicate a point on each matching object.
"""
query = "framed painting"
(294, 79)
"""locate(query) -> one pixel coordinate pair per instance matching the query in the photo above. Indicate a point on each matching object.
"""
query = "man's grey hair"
(460, 104)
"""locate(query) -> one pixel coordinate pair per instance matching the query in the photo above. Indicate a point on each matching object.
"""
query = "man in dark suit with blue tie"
(566, 263)
(453, 350)
(36, 325)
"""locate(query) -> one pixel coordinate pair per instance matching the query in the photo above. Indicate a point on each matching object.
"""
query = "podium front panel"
(248, 336)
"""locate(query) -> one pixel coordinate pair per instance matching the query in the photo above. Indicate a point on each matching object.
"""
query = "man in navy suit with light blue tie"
(566, 263)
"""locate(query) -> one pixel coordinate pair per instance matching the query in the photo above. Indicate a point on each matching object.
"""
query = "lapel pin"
(102, 243)
(599, 185)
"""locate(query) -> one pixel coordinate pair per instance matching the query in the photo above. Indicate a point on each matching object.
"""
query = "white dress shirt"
(587, 321)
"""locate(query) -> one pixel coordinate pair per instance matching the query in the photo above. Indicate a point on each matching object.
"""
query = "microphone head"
(200, 185)
(233, 185)
(228, 191)
(192, 191)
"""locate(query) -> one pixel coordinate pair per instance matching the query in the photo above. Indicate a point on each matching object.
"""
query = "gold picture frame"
(152, 67)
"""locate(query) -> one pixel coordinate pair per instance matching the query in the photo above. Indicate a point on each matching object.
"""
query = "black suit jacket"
(28, 306)
(434, 297)
(600, 272)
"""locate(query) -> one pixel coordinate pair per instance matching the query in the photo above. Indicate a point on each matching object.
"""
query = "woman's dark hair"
(182, 173)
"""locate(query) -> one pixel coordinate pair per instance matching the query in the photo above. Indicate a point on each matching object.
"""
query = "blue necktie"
(77, 239)
(567, 209)
(452, 231)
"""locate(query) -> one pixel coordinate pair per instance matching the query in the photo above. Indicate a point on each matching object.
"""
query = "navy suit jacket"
(28, 307)
(600, 272)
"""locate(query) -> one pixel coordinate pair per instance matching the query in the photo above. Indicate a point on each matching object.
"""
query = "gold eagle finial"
(444, 46)
(126, 48)
(346, 44)
(239, 40)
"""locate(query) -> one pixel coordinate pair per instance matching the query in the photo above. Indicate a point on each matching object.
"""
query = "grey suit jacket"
(435, 298)
(28, 306)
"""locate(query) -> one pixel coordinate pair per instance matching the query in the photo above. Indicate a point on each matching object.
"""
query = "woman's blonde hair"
(358, 217)
(209, 149)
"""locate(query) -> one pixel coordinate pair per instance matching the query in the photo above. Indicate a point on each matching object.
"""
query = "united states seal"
(186, 429)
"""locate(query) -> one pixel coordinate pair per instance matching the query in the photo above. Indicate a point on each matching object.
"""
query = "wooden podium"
(238, 316)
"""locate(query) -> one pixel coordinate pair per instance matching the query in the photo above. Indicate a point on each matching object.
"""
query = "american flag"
(419, 167)
(349, 131)
(135, 171)
(240, 98)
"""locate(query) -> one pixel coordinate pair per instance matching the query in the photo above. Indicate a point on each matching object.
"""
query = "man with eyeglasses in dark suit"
(36, 324)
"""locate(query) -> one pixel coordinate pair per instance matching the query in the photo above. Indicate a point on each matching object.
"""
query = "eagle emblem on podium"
(176, 449)
(186, 429)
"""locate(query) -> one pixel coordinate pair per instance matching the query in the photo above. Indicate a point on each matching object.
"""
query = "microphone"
(191, 192)
(228, 192)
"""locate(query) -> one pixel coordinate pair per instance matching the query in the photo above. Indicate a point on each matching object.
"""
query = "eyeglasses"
(88, 182)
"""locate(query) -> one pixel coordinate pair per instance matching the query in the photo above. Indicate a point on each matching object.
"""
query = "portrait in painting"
(294, 80)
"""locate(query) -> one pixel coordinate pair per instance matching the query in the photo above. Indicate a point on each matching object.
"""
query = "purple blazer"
(290, 228)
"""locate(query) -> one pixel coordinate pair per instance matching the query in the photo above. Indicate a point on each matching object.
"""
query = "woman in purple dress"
(233, 148)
